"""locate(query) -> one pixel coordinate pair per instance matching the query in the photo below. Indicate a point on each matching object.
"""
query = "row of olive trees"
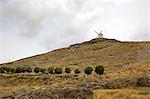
(15, 70)
(99, 70)
(51, 70)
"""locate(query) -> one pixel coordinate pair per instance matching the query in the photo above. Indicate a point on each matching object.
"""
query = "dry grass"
(120, 59)
(139, 93)
(16, 89)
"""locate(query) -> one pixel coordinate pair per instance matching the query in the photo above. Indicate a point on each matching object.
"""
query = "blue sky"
(30, 27)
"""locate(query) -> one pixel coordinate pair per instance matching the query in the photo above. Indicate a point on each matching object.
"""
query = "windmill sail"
(100, 35)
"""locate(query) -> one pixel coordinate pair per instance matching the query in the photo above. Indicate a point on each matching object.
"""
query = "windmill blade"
(96, 33)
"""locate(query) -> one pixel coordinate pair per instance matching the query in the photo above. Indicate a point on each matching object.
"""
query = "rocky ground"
(81, 89)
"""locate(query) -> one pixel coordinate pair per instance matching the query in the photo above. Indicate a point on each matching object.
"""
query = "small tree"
(12, 70)
(99, 70)
(88, 70)
(36, 70)
(19, 70)
(7, 69)
(42, 70)
(2, 69)
(58, 70)
(51, 70)
(67, 70)
(27, 69)
(77, 71)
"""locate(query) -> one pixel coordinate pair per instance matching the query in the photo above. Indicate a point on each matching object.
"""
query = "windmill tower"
(100, 35)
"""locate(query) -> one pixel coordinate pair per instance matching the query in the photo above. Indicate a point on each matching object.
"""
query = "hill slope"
(126, 57)
(127, 64)
(97, 51)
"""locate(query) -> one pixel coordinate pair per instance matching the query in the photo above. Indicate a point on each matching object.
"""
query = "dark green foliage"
(2, 70)
(88, 70)
(67, 70)
(58, 70)
(77, 71)
(12, 70)
(19, 70)
(23, 69)
(28, 69)
(42, 70)
(7, 70)
(51, 70)
(99, 70)
(36, 70)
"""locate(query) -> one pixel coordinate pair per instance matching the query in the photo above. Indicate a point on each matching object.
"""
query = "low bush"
(2, 70)
(36, 70)
(67, 70)
(51, 70)
(88, 70)
(28, 69)
(12, 70)
(58, 70)
(19, 70)
(42, 70)
(99, 70)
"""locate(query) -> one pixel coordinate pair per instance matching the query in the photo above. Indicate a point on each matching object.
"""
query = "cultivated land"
(126, 76)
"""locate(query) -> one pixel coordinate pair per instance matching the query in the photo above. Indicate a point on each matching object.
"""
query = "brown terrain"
(126, 76)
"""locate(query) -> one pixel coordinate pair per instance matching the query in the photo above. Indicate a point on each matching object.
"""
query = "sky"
(31, 27)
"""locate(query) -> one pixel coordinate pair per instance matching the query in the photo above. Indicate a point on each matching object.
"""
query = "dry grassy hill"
(114, 55)
(127, 64)
(108, 52)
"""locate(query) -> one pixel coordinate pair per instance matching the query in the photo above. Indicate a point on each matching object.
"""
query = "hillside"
(114, 55)
(127, 65)
(108, 52)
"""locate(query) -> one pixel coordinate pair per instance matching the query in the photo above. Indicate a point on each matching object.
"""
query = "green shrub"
(42, 70)
(51, 70)
(23, 69)
(36, 70)
(77, 71)
(12, 70)
(99, 70)
(28, 69)
(67, 70)
(58, 70)
(2, 70)
(88, 70)
(7, 70)
(19, 70)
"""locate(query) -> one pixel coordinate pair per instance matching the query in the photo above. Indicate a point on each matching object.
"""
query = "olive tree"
(51, 70)
(36, 70)
(88, 70)
(58, 70)
(99, 69)
(67, 70)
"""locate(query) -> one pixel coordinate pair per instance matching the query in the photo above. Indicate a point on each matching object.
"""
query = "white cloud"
(36, 26)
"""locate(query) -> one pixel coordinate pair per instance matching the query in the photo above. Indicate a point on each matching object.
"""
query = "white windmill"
(100, 35)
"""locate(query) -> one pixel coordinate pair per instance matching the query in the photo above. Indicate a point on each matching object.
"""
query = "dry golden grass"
(120, 59)
(103, 51)
(15, 89)
(138, 93)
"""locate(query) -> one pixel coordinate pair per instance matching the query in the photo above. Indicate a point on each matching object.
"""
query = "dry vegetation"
(138, 93)
(127, 64)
